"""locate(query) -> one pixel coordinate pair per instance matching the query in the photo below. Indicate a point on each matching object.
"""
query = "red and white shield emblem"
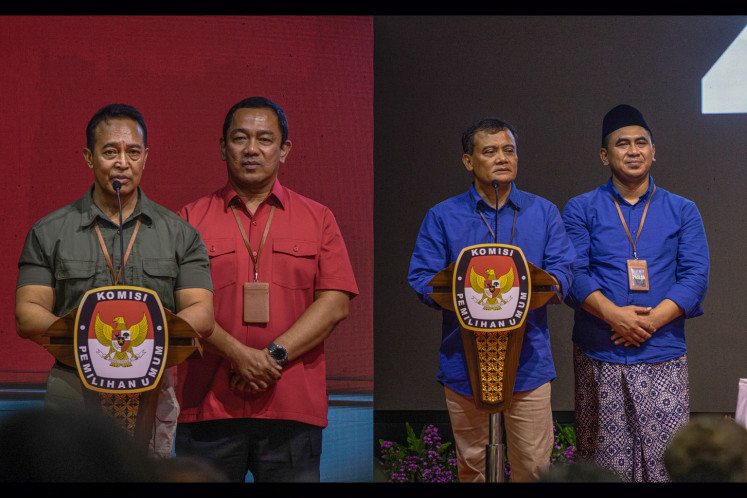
(491, 287)
(121, 339)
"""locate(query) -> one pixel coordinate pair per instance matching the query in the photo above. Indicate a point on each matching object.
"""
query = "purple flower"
(421, 460)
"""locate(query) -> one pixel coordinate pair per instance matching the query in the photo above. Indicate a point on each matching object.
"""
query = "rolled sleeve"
(692, 264)
(33, 266)
(429, 257)
(559, 252)
(193, 261)
(578, 232)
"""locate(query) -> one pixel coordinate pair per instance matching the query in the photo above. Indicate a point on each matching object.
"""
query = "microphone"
(495, 186)
(117, 186)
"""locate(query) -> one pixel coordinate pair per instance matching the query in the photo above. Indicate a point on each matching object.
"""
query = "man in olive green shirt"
(62, 258)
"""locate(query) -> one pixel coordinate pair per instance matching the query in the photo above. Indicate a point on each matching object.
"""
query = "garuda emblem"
(120, 326)
(491, 287)
(120, 339)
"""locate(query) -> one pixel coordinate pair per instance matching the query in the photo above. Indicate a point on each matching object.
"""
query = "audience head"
(709, 448)
(68, 446)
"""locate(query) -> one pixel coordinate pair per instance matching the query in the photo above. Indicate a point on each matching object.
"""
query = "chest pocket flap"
(298, 248)
(223, 262)
(160, 267)
(67, 269)
(218, 247)
(294, 263)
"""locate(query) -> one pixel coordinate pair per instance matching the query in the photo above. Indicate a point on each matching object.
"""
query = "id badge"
(256, 302)
(638, 274)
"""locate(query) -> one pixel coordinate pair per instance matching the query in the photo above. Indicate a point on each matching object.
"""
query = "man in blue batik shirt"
(532, 224)
(642, 269)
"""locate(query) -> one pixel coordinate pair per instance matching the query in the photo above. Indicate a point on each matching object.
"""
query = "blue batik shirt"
(673, 243)
(456, 223)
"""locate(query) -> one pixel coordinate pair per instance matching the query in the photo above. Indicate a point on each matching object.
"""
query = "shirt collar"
(90, 211)
(516, 198)
(229, 195)
(611, 188)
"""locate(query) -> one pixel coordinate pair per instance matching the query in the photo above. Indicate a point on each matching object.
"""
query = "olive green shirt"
(62, 251)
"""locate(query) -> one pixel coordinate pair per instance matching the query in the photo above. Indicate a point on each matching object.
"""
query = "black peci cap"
(621, 116)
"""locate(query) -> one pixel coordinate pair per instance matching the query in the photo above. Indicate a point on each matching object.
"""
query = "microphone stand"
(495, 187)
(495, 450)
(118, 185)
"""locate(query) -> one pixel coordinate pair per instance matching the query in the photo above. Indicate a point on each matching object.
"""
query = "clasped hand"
(632, 325)
(254, 371)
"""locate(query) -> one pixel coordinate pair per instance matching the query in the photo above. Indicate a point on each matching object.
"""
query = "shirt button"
(295, 248)
(212, 248)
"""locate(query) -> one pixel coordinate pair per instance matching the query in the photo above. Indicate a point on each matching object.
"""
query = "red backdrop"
(183, 74)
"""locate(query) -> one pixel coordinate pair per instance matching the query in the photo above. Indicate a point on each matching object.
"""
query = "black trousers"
(273, 450)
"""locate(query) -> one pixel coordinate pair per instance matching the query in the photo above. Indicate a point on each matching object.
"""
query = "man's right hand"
(253, 370)
(630, 324)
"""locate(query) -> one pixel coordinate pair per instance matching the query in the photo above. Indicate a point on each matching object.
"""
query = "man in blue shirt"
(641, 270)
(533, 224)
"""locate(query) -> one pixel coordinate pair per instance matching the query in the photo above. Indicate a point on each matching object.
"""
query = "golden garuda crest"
(120, 339)
(120, 326)
(491, 287)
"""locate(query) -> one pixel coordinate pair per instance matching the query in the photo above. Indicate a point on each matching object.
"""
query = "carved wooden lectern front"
(102, 332)
(491, 287)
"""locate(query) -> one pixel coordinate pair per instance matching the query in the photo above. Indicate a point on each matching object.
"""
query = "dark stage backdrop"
(183, 74)
(554, 77)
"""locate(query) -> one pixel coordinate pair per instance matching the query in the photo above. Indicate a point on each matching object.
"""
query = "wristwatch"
(278, 353)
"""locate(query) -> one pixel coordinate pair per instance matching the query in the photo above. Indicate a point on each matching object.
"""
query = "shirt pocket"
(223, 262)
(159, 275)
(294, 263)
(79, 276)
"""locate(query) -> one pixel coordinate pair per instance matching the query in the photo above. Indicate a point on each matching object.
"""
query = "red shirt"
(304, 252)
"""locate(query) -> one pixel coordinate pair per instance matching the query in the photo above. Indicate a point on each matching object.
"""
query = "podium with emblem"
(491, 288)
(122, 341)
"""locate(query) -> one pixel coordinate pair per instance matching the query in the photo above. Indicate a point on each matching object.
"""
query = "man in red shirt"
(282, 279)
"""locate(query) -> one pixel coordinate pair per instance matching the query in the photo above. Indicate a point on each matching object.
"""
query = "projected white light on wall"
(724, 87)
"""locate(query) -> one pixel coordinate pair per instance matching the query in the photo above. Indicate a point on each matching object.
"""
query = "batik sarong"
(626, 414)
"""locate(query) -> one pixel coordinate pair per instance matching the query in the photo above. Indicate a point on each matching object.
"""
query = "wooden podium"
(492, 346)
(183, 343)
(493, 356)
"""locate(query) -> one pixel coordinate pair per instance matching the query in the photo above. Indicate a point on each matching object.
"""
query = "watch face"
(278, 353)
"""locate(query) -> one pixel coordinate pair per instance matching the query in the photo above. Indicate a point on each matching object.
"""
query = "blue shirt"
(454, 224)
(673, 243)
